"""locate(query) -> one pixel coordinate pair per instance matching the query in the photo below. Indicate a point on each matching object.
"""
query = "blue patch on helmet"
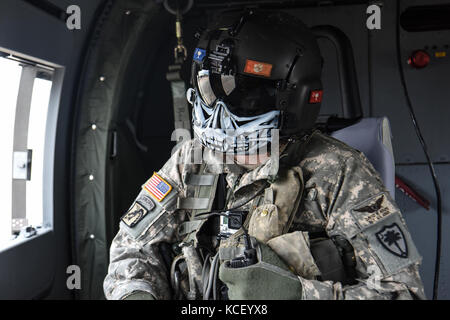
(199, 54)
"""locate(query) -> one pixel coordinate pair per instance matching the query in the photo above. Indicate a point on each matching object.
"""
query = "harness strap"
(200, 179)
(189, 226)
(205, 186)
(205, 190)
(180, 106)
(193, 203)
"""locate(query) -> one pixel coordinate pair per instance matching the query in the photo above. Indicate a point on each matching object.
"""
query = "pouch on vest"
(281, 202)
(335, 258)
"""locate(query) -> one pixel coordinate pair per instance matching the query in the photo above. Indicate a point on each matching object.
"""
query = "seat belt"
(180, 106)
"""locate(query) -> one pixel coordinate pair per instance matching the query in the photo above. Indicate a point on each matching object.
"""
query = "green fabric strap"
(200, 179)
(193, 203)
(203, 190)
(189, 226)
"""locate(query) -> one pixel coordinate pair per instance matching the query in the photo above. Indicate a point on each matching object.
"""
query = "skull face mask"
(223, 131)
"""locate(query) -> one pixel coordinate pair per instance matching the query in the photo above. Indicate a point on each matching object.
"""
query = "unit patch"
(199, 54)
(146, 200)
(373, 210)
(135, 214)
(393, 239)
(157, 187)
(389, 240)
(315, 96)
(374, 207)
(258, 68)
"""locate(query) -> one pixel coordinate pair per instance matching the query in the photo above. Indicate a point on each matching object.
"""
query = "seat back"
(372, 136)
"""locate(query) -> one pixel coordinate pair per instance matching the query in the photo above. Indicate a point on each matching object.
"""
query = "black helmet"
(259, 61)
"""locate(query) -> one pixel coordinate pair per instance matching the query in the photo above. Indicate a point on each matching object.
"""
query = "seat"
(372, 136)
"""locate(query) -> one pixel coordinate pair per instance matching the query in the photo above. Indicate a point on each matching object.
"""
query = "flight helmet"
(254, 72)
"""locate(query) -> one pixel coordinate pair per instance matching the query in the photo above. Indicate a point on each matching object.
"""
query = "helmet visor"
(245, 95)
(212, 87)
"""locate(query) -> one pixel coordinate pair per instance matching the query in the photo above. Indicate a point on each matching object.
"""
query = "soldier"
(310, 217)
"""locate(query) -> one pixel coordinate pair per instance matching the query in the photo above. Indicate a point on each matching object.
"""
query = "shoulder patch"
(391, 242)
(157, 187)
(148, 214)
(135, 214)
(146, 201)
(373, 210)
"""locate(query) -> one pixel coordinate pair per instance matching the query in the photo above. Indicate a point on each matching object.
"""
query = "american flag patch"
(157, 187)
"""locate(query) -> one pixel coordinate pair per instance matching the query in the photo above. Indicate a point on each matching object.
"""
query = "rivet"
(102, 78)
(91, 177)
(127, 12)
(264, 213)
(92, 236)
(94, 126)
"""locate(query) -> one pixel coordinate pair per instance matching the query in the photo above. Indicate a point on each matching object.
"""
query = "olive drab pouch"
(264, 224)
(280, 204)
(335, 259)
(294, 249)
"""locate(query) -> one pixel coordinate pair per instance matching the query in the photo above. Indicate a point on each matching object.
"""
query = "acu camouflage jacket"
(333, 189)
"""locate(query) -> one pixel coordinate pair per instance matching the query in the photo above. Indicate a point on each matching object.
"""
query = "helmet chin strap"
(220, 130)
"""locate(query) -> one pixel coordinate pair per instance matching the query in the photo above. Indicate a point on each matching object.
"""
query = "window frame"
(36, 65)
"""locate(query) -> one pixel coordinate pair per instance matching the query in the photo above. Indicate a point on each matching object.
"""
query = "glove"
(268, 279)
(139, 295)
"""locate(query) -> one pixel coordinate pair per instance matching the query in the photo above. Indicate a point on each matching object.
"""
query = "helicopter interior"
(110, 118)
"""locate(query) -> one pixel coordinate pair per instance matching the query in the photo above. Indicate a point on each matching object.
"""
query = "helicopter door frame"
(28, 262)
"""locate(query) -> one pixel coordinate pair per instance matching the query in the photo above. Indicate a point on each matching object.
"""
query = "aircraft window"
(10, 72)
(24, 99)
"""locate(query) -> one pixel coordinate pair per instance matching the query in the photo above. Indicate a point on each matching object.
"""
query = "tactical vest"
(271, 205)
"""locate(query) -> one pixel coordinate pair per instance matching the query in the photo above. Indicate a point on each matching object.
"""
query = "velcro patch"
(135, 214)
(391, 242)
(258, 68)
(146, 201)
(373, 210)
(157, 187)
(156, 217)
(199, 54)
(392, 238)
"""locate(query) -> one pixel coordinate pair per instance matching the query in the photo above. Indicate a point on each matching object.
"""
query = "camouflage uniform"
(333, 189)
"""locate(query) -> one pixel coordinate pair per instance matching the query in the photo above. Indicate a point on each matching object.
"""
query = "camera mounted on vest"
(257, 62)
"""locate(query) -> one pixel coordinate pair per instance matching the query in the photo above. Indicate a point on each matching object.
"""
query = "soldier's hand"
(268, 279)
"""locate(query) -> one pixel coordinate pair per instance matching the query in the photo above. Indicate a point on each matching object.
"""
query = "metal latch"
(22, 165)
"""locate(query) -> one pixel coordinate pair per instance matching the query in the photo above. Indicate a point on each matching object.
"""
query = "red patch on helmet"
(258, 68)
(316, 96)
